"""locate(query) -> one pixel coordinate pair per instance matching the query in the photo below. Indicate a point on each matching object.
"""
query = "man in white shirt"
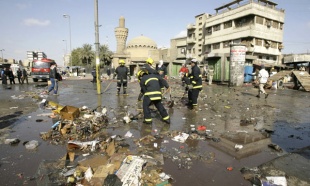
(262, 77)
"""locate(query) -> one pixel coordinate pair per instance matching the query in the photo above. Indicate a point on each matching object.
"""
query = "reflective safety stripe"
(155, 98)
(194, 82)
(200, 75)
(191, 77)
(150, 80)
(165, 118)
(152, 93)
(198, 86)
(195, 104)
(148, 119)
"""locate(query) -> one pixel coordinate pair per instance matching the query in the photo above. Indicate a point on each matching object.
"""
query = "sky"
(39, 25)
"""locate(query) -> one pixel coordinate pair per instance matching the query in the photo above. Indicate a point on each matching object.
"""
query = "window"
(273, 44)
(227, 24)
(259, 20)
(200, 24)
(216, 46)
(260, 57)
(217, 27)
(275, 24)
(209, 31)
(226, 44)
(258, 42)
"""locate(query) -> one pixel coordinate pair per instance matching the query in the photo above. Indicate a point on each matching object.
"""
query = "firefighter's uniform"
(122, 72)
(195, 84)
(151, 89)
(150, 69)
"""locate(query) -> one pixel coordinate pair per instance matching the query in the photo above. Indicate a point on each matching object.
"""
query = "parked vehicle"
(41, 69)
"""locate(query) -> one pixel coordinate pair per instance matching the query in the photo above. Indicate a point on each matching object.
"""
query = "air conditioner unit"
(269, 24)
(267, 45)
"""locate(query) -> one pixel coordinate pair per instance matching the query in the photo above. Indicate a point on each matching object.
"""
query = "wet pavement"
(240, 127)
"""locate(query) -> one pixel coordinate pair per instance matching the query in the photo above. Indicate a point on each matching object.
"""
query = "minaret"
(121, 34)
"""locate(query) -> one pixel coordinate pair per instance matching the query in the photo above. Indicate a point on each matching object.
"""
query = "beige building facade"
(257, 24)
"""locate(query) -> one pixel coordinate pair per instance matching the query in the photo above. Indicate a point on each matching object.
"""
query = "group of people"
(153, 82)
(7, 74)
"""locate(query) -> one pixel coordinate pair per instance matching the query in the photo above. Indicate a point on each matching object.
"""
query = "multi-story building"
(257, 24)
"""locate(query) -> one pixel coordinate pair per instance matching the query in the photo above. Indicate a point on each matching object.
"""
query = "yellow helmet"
(141, 72)
(150, 61)
(121, 61)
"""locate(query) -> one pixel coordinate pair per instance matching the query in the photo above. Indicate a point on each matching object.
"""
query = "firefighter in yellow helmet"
(151, 89)
(122, 72)
(149, 66)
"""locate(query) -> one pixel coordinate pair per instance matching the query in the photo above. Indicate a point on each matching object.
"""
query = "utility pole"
(97, 48)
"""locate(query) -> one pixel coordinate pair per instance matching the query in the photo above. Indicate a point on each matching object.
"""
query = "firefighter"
(150, 87)
(194, 85)
(149, 66)
(122, 72)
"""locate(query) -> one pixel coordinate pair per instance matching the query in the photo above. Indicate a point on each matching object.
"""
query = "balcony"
(191, 40)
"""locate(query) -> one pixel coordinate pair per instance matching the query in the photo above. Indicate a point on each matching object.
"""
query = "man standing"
(263, 78)
(194, 85)
(151, 89)
(11, 77)
(53, 79)
(3, 76)
(121, 72)
(19, 75)
(162, 69)
(24, 76)
(109, 72)
(93, 73)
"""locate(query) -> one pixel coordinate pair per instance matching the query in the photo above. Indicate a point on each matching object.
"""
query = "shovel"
(108, 85)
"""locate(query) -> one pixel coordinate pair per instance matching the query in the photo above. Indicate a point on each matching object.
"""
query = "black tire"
(35, 80)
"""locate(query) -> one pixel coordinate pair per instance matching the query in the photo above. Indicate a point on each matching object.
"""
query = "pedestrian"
(162, 69)
(24, 76)
(108, 72)
(150, 87)
(11, 76)
(194, 85)
(263, 76)
(84, 72)
(3, 76)
(53, 79)
(122, 72)
(19, 75)
(210, 74)
(93, 73)
(183, 73)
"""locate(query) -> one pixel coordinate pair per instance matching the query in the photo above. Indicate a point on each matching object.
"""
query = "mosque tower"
(121, 34)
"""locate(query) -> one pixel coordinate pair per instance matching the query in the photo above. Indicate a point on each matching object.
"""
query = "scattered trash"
(229, 168)
(69, 112)
(238, 147)
(274, 181)
(181, 137)
(33, 144)
(13, 141)
(275, 147)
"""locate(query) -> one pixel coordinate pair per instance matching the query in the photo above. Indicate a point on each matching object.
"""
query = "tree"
(105, 55)
(87, 55)
(76, 61)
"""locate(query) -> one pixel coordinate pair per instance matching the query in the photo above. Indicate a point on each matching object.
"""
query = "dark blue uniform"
(151, 88)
